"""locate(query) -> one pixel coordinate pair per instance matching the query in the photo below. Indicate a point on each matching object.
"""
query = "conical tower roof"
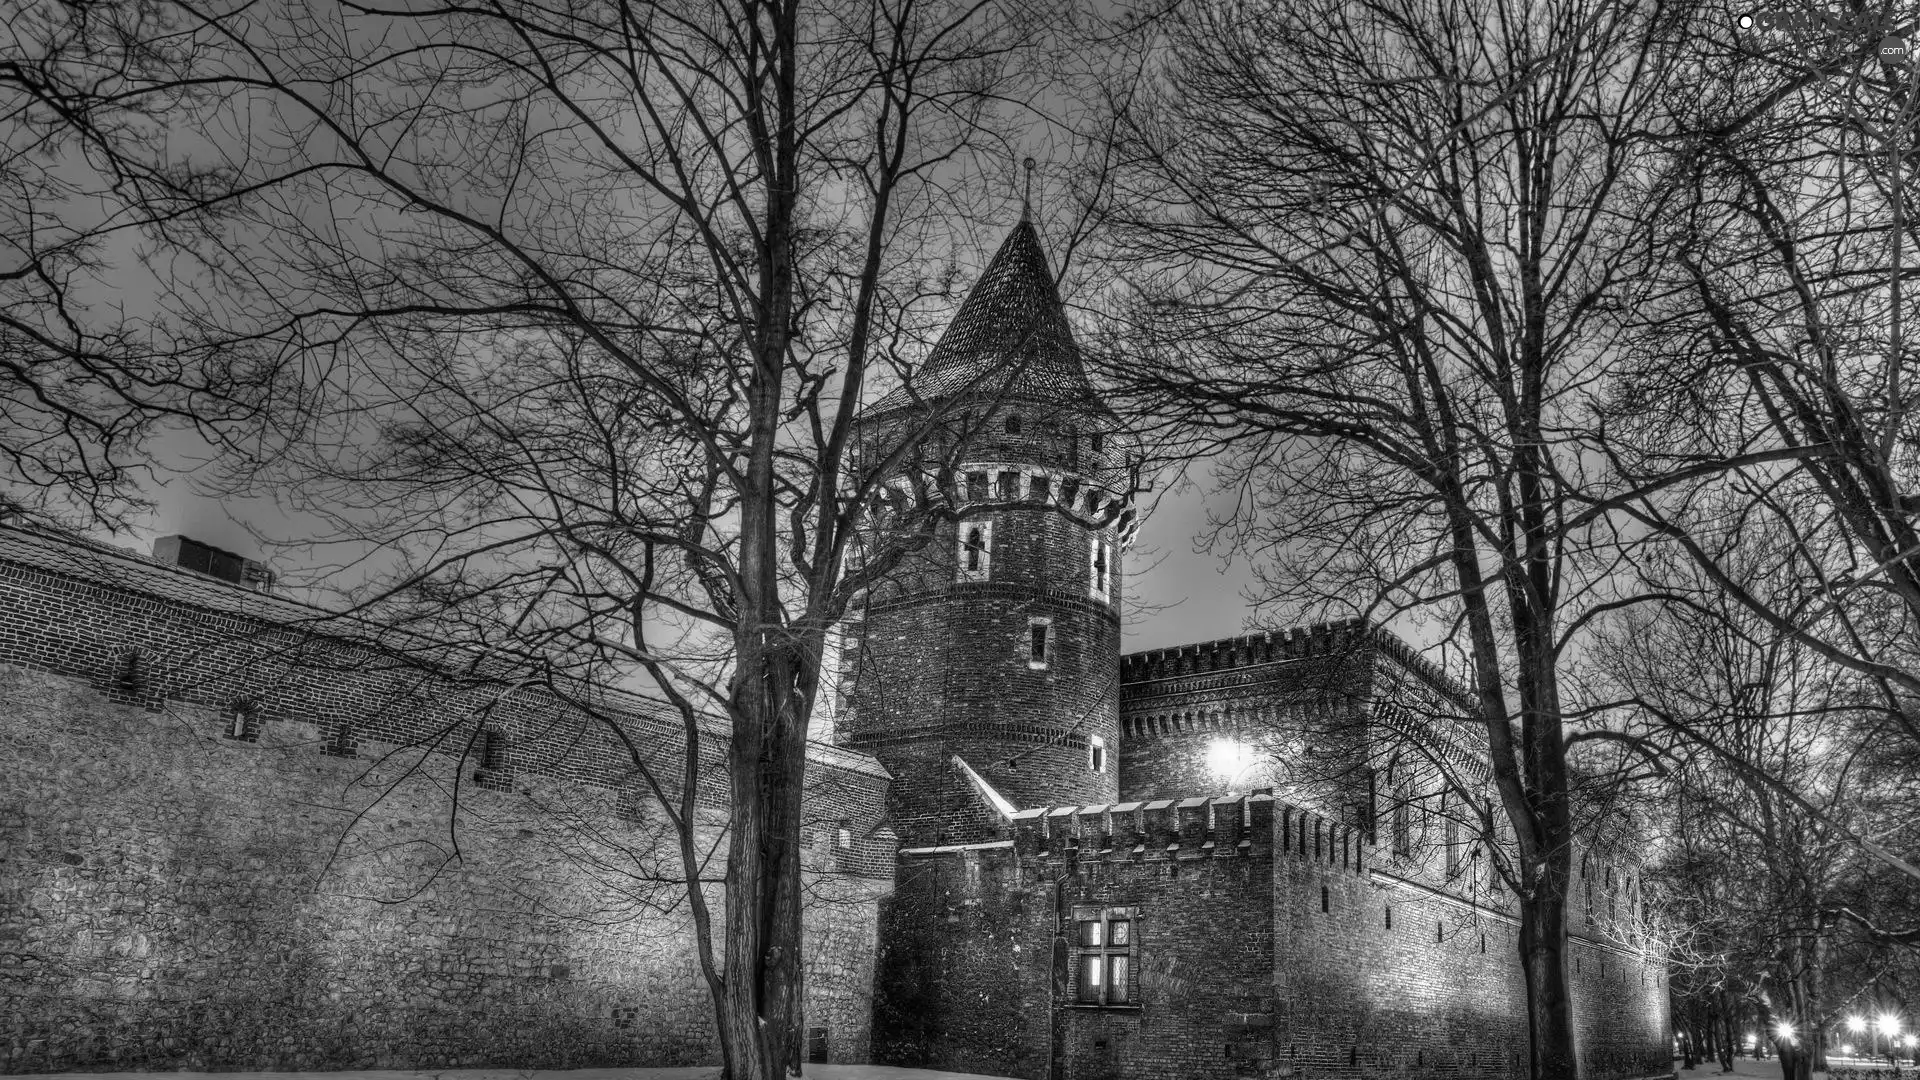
(1010, 340)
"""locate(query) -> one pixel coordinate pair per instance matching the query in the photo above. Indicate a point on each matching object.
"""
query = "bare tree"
(1772, 334)
(92, 361)
(1375, 253)
(1769, 789)
(585, 298)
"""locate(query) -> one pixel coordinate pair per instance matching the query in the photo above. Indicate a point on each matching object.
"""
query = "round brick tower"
(983, 672)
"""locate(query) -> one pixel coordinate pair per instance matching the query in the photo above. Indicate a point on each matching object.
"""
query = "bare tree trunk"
(1543, 953)
(1726, 1029)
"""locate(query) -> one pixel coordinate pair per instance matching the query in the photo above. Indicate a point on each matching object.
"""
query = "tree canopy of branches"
(576, 303)
(92, 200)
(1771, 335)
(1780, 915)
(1374, 253)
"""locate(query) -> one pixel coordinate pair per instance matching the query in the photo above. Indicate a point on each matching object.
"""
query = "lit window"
(843, 836)
(1106, 943)
(1097, 754)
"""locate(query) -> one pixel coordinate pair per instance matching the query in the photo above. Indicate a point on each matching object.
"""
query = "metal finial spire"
(1026, 197)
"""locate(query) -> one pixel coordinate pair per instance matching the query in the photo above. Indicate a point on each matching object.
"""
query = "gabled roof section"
(1010, 339)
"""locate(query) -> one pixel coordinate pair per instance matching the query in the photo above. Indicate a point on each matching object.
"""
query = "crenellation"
(1191, 817)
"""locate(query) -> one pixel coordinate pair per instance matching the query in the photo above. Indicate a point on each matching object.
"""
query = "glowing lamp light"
(1889, 1024)
(1847, 1049)
(1751, 1040)
(1785, 1031)
(1856, 1023)
(1227, 759)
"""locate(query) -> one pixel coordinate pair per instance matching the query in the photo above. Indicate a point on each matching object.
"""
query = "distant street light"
(1784, 1031)
(1856, 1024)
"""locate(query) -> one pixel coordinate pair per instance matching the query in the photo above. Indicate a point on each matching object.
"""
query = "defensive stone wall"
(234, 841)
(1267, 941)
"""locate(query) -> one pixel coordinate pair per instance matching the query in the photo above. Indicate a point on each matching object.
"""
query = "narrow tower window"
(1039, 642)
(1099, 570)
(1099, 442)
(976, 487)
(1008, 484)
(1097, 754)
(1039, 487)
(975, 561)
(1013, 423)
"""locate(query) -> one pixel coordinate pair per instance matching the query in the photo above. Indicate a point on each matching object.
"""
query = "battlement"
(1197, 828)
(1329, 639)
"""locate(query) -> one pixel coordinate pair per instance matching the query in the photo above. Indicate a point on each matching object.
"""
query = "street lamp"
(1890, 1027)
(1784, 1031)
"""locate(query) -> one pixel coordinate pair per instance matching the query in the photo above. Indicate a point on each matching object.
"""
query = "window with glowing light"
(1105, 942)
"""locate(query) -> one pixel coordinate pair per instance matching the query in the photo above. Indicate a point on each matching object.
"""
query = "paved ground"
(1769, 1069)
(697, 1073)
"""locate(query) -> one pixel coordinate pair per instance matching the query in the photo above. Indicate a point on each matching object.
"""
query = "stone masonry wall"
(938, 657)
(1381, 973)
(216, 858)
(977, 974)
(1272, 942)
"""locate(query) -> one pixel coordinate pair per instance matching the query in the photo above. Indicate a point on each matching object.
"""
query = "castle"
(227, 817)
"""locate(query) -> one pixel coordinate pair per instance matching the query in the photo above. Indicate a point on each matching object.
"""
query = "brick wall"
(1295, 703)
(389, 870)
(1264, 950)
(968, 977)
(937, 660)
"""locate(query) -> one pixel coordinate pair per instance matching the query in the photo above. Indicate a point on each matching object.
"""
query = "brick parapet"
(1329, 639)
(1188, 828)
